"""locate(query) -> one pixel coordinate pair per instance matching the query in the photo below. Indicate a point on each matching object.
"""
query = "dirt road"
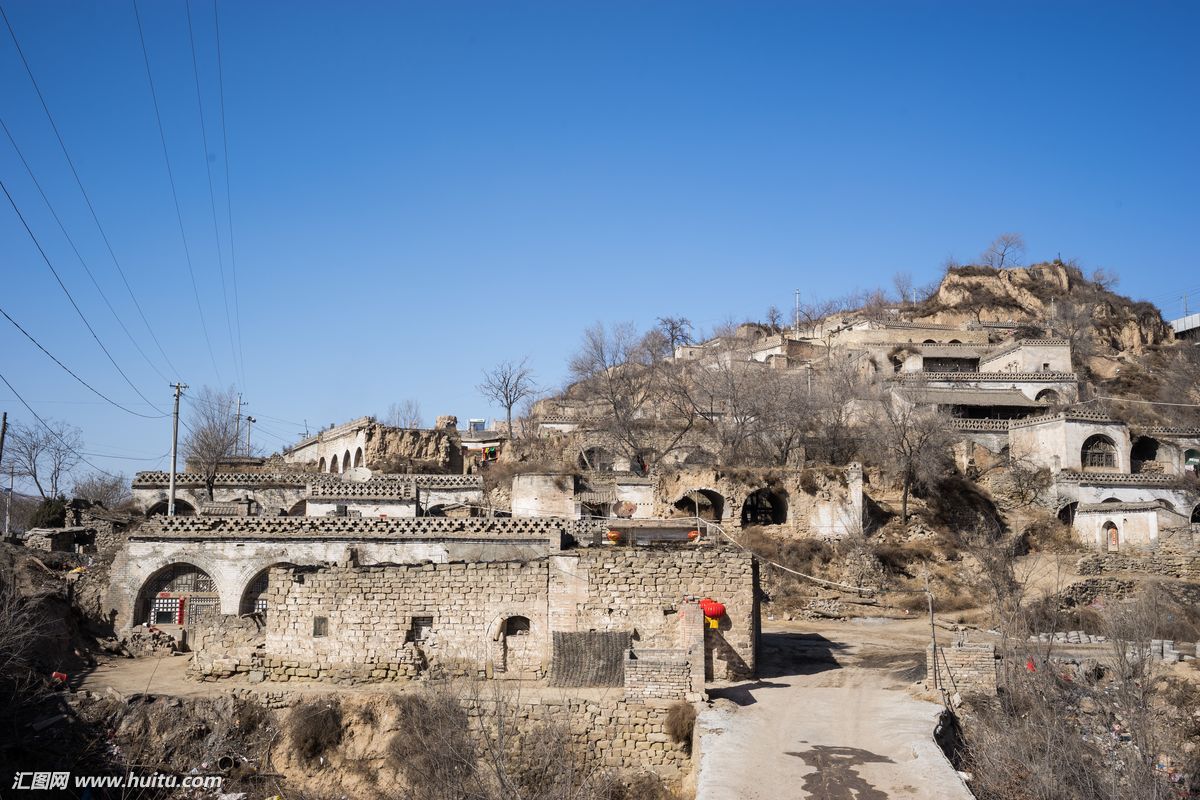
(830, 719)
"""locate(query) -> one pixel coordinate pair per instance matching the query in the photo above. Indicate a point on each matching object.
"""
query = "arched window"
(333, 462)
(254, 599)
(1099, 452)
(346, 461)
(321, 464)
(182, 508)
(178, 594)
(765, 507)
(516, 626)
(358, 457)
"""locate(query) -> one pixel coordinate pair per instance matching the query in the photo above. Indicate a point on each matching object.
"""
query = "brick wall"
(964, 668)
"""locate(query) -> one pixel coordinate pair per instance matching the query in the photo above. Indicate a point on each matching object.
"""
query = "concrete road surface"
(830, 719)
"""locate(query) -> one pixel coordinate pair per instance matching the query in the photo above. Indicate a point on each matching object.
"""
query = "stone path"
(829, 720)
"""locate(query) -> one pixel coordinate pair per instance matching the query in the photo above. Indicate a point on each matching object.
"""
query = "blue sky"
(420, 191)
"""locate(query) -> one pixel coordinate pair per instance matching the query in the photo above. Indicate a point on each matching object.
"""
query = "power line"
(86, 197)
(237, 306)
(93, 389)
(174, 193)
(78, 255)
(212, 198)
(55, 433)
(74, 305)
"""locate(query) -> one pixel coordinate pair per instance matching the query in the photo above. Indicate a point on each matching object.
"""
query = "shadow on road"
(784, 654)
(743, 693)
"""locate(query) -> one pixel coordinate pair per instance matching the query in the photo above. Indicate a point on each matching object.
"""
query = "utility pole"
(796, 314)
(249, 421)
(8, 504)
(237, 423)
(12, 474)
(179, 387)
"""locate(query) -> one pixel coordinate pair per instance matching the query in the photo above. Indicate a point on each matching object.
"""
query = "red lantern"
(693, 535)
(614, 536)
(711, 608)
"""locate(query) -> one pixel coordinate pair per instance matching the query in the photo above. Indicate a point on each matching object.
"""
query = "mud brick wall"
(964, 668)
(656, 675)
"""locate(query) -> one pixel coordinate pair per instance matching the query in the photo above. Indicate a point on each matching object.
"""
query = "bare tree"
(782, 411)
(902, 282)
(774, 319)
(44, 455)
(111, 491)
(647, 400)
(834, 431)
(212, 432)
(1006, 250)
(508, 384)
(678, 331)
(405, 414)
(916, 441)
(1105, 279)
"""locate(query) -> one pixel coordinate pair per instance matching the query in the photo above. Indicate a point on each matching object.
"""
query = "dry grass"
(681, 721)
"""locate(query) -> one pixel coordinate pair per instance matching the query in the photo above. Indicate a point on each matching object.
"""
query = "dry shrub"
(681, 721)
(1048, 616)
(315, 728)
(432, 747)
(1048, 536)
(897, 559)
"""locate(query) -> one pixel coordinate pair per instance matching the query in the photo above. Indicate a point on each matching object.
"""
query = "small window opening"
(422, 627)
(320, 626)
(516, 626)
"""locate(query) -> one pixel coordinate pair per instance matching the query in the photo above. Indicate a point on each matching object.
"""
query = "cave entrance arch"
(764, 507)
(182, 508)
(703, 503)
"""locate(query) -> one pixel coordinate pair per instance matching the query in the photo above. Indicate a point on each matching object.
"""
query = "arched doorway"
(1099, 452)
(1144, 451)
(321, 464)
(512, 645)
(182, 508)
(358, 457)
(1049, 397)
(178, 594)
(703, 503)
(764, 507)
(333, 465)
(1112, 536)
(346, 461)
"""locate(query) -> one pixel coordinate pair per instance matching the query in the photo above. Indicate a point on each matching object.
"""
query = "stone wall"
(1185, 567)
(962, 667)
(388, 622)
(657, 675)
(229, 645)
(452, 615)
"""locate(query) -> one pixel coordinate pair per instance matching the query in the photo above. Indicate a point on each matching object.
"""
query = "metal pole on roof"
(179, 387)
